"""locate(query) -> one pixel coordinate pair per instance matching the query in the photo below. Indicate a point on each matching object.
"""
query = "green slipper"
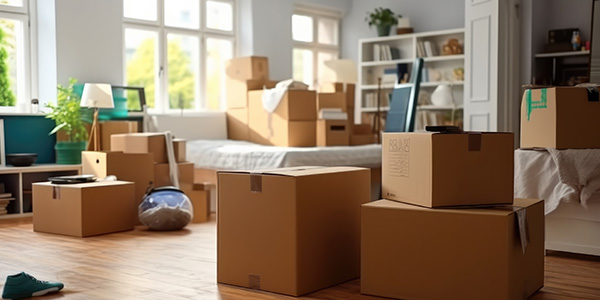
(23, 285)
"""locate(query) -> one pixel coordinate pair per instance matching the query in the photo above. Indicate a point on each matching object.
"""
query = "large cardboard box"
(109, 128)
(349, 89)
(237, 90)
(292, 124)
(237, 124)
(83, 209)
(332, 133)
(560, 117)
(162, 177)
(448, 169)
(249, 67)
(133, 167)
(291, 231)
(412, 252)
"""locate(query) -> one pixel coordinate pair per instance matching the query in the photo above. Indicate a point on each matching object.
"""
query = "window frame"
(161, 97)
(315, 47)
(27, 79)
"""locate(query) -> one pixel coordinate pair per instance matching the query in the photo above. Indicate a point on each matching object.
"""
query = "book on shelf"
(420, 49)
(389, 76)
(332, 114)
(5, 195)
(376, 52)
(395, 53)
(429, 49)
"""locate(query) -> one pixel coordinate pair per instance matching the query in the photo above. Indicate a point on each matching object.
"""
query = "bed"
(569, 183)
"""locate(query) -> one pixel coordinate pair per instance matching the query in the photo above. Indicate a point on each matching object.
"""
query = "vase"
(69, 152)
(383, 30)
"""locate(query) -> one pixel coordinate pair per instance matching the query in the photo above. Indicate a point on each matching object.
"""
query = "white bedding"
(229, 154)
(557, 176)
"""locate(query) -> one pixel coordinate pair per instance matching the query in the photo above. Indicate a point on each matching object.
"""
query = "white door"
(491, 65)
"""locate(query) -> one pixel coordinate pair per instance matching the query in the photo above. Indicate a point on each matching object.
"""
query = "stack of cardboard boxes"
(139, 161)
(294, 123)
(448, 227)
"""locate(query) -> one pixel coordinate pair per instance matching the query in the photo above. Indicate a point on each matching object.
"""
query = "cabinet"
(561, 68)
(390, 57)
(17, 181)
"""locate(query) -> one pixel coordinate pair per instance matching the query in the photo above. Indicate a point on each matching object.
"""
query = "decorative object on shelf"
(424, 98)
(458, 74)
(452, 47)
(67, 114)
(442, 96)
(576, 41)
(21, 159)
(403, 26)
(96, 96)
(383, 19)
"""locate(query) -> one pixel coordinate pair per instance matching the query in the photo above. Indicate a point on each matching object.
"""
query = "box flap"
(293, 171)
(85, 185)
(499, 210)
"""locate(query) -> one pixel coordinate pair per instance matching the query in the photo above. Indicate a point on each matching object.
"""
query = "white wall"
(425, 15)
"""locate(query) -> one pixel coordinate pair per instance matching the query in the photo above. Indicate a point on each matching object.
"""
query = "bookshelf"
(379, 56)
(17, 181)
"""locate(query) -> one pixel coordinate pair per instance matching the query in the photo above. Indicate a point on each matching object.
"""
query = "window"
(176, 50)
(315, 35)
(16, 73)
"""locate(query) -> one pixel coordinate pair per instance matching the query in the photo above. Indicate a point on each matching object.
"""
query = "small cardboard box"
(560, 117)
(237, 90)
(134, 167)
(331, 100)
(348, 89)
(292, 230)
(237, 124)
(143, 142)
(109, 128)
(332, 133)
(412, 252)
(199, 194)
(180, 149)
(249, 67)
(83, 209)
(292, 124)
(448, 169)
(162, 177)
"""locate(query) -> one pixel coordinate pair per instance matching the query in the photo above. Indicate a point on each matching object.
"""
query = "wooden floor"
(145, 265)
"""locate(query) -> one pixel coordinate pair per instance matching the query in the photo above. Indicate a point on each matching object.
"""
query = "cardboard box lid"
(141, 134)
(95, 184)
(294, 171)
(498, 210)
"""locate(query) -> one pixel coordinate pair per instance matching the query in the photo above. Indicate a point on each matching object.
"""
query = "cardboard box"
(292, 230)
(332, 133)
(560, 117)
(349, 89)
(143, 142)
(133, 167)
(292, 124)
(237, 124)
(362, 139)
(109, 128)
(249, 67)
(411, 252)
(331, 100)
(162, 177)
(180, 149)
(237, 90)
(448, 169)
(83, 209)
(199, 194)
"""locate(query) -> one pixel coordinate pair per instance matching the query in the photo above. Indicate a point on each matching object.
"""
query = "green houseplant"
(68, 116)
(383, 19)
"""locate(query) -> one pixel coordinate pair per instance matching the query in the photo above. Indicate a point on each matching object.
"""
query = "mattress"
(230, 155)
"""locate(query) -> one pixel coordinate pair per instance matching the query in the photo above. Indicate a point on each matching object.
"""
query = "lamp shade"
(341, 70)
(97, 95)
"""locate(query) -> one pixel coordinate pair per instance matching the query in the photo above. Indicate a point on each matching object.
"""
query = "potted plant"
(67, 114)
(383, 19)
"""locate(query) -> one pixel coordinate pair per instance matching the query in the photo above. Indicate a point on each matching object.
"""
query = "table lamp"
(96, 96)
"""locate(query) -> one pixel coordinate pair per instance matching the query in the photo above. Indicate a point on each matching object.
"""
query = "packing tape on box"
(254, 281)
(56, 192)
(521, 214)
(256, 182)
(531, 104)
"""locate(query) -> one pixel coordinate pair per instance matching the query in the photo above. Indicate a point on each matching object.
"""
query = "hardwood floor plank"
(142, 264)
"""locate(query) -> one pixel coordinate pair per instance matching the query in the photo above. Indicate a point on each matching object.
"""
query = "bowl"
(21, 159)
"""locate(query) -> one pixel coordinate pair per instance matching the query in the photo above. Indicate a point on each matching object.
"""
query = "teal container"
(69, 153)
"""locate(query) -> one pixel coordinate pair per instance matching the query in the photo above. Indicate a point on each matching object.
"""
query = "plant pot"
(69, 152)
(383, 30)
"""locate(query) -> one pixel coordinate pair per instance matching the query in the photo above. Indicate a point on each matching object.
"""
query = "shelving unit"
(18, 180)
(439, 66)
(564, 67)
